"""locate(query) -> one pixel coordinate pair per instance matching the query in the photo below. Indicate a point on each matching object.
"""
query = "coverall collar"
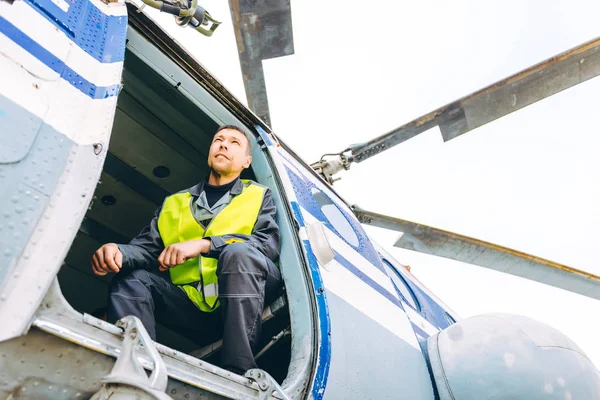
(235, 189)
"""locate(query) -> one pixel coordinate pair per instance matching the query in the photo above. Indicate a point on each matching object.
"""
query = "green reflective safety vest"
(176, 223)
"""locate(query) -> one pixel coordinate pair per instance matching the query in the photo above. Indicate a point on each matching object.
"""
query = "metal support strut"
(266, 384)
(128, 379)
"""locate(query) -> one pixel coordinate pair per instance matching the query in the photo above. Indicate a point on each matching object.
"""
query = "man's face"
(228, 154)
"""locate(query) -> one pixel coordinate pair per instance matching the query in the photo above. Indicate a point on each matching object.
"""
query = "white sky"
(527, 181)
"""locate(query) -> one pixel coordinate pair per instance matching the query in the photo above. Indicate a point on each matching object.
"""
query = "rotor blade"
(263, 30)
(437, 242)
(511, 94)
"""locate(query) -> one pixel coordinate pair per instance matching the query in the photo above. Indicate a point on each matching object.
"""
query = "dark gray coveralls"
(246, 272)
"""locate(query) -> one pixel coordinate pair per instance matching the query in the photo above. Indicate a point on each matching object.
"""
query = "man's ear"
(248, 161)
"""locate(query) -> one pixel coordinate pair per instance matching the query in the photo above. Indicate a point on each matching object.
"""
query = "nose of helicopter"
(502, 356)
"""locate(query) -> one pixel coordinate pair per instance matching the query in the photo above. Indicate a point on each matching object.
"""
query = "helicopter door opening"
(159, 146)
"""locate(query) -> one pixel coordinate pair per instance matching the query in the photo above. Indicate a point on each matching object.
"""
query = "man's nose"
(223, 145)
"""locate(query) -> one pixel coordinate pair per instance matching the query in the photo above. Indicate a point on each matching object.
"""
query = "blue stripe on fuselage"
(99, 35)
(322, 373)
(381, 290)
(365, 278)
(298, 214)
(419, 331)
(378, 288)
(54, 63)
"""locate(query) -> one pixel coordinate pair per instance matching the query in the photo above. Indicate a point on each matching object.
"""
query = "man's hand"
(107, 258)
(178, 253)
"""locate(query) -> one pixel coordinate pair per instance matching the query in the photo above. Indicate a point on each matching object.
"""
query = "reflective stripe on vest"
(176, 224)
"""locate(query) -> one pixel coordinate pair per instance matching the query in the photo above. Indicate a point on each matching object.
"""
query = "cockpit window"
(335, 217)
(401, 285)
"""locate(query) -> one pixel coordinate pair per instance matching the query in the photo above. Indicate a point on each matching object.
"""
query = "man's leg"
(153, 297)
(246, 276)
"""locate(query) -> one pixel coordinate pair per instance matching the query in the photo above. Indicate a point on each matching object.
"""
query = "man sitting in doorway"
(206, 261)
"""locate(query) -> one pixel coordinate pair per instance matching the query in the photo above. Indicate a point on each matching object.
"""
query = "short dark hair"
(240, 130)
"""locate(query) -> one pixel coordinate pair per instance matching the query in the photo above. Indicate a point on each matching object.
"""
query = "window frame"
(388, 265)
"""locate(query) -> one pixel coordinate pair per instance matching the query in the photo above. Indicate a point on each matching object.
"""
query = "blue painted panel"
(264, 135)
(298, 214)
(322, 373)
(303, 190)
(100, 35)
(25, 188)
(57, 65)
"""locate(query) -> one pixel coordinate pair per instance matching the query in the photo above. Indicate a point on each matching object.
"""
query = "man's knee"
(235, 254)
(133, 283)
(235, 250)
(240, 258)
